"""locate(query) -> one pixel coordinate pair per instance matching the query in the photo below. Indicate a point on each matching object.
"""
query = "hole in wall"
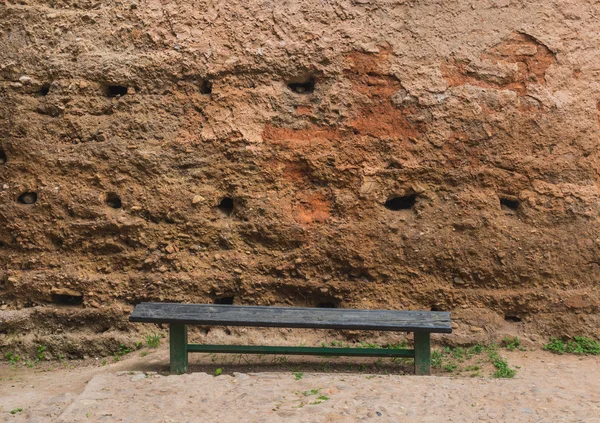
(27, 198)
(405, 202)
(113, 200)
(512, 318)
(206, 87)
(327, 304)
(302, 87)
(437, 307)
(44, 90)
(66, 299)
(226, 206)
(3, 158)
(509, 203)
(224, 300)
(115, 90)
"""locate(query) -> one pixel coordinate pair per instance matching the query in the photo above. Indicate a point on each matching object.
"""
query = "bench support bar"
(178, 348)
(325, 351)
(422, 353)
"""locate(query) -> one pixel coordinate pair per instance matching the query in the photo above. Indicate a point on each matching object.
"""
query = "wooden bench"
(178, 316)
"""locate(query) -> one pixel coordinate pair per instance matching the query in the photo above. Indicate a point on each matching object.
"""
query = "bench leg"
(178, 350)
(422, 353)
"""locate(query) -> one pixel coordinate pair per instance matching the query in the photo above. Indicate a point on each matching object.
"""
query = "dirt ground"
(547, 388)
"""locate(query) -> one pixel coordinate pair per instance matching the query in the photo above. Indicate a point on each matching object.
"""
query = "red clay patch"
(313, 208)
(314, 134)
(377, 116)
(532, 60)
(373, 115)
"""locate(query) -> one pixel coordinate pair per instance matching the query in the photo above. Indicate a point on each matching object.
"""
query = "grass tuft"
(153, 341)
(449, 360)
(512, 344)
(503, 371)
(578, 345)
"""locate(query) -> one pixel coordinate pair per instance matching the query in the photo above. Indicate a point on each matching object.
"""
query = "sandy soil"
(547, 388)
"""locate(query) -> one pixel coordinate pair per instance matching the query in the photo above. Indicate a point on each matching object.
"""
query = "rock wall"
(401, 154)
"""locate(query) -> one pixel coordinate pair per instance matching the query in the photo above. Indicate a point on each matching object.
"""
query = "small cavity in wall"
(206, 87)
(44, 90)
(66, 297)
(509, 203)
(113, 200)
(27, 198)
(305, 86)
(115, 90)
(226, 206)
(404, 202)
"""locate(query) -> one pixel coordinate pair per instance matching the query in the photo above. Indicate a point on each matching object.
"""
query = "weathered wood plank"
(293, 317)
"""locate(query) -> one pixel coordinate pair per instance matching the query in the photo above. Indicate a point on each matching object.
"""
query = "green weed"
(366, 345)
(153, 341)
(319, 400)
(476, 349)
(40, 352)
(450, 367)
(503, 371)
(448, 360)
(298, 375)
(459, 353)
(512, 344)
(218, 371)
(437, 359)
(402, 345)
(123, 350)
(578, 345)
(12, 358)
(16, 410)
(311, 392)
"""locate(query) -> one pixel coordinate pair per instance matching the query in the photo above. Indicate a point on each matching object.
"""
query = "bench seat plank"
(293, 317)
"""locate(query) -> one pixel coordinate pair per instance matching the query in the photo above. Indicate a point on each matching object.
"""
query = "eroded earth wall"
(356, 153)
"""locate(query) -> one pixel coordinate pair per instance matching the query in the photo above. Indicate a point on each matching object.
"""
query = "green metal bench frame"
(179, 316)
(179, 349)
